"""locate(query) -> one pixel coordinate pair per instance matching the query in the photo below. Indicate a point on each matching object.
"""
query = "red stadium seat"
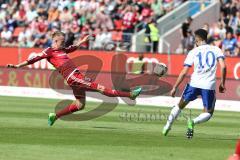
(117, 35)
(17, 31)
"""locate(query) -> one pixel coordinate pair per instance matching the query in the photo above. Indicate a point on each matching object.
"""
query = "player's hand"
(222, 88)
(81, 41)
(12, 66)
(85, 39)
(173, 92)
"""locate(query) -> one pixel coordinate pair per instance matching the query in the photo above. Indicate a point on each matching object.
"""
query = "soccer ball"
(160, 69)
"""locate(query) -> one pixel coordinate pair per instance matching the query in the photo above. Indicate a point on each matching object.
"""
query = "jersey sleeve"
(189, 60)
(44, 54)
(70, 49)
(220, 54)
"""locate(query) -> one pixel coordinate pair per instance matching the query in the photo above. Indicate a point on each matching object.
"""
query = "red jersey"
(129, 19)
(42, 26)
(58, 58)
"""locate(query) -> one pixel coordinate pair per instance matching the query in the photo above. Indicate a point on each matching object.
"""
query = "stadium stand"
(226, 32)
(29, 23)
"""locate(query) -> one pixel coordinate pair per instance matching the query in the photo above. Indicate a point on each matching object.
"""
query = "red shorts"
(80, 84)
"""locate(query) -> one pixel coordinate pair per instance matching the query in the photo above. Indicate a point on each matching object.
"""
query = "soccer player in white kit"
(204, 57)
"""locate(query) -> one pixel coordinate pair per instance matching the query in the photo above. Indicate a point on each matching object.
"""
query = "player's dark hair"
(58, 33)
(202, 33)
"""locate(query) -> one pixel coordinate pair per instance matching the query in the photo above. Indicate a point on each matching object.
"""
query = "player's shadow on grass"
(110, 128)
(203, 138)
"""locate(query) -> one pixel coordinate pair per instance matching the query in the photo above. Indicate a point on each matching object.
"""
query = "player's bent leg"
(74, 107)
(77, 105)
(115, 93)
(203, 117)
(176, 110)
(209, 99)
(106, 91)
(110, 92)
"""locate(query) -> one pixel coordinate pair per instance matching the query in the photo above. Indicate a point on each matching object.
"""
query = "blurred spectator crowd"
(225, 33)
(29, 23)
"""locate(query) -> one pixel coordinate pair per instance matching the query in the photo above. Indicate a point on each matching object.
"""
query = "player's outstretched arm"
(223, 75)
(81, 41)
(73, 48)
(25, 63)
(179, 80)
(39, 57)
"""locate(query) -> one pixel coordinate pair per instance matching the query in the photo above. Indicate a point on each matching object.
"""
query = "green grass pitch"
(24, 134)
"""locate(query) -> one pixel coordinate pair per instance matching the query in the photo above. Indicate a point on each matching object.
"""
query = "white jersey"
(205, 60)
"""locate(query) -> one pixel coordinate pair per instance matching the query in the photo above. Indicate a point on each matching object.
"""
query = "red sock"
(237, 151)
(110, 92)
(67, 110)
(115, 93)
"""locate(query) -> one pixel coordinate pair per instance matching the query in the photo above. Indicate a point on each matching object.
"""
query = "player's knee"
(210, 114)
(210, 111)
(182, 104)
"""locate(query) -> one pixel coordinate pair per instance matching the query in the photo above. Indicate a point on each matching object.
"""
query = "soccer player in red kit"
(57, 56)
(236, 155)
